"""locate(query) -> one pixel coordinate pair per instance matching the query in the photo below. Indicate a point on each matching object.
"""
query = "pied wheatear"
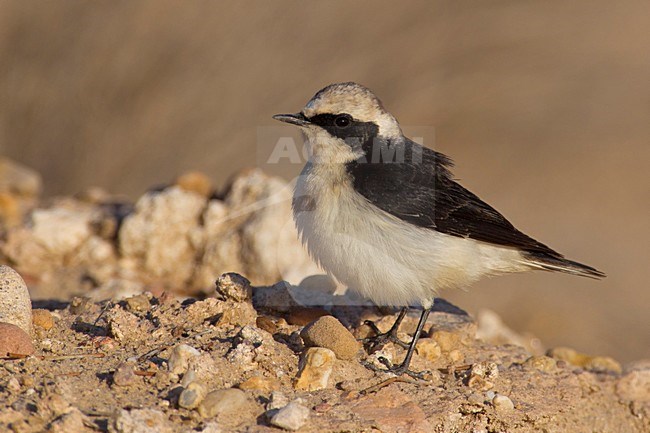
(385, 216)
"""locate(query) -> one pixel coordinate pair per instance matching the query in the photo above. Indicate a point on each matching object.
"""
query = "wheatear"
(385, 216)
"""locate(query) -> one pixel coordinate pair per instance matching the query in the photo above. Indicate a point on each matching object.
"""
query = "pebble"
(291, 417)
(42, 319)
(482, 374)
(13, 385)
(15, 303)
(124, 374)
(251, 335)
(234, 286)
(192, 395)
(542, 363)
(181, 353)
(13, 340)
(315, 368)
(267, 324)
(591, 363)
(329, 333)
(140, 421)
(223, 402)
(502, 403)
(137, 303)
(277, 400)
(260, 383)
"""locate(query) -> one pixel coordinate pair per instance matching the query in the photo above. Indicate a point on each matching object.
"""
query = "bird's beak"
(295, 119)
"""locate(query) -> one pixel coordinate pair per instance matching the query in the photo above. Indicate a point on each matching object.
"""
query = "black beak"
(295, 119)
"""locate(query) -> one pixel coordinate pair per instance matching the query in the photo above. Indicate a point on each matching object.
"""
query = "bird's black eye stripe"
(344, 126)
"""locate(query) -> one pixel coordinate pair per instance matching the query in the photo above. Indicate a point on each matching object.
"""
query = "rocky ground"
(126, 331)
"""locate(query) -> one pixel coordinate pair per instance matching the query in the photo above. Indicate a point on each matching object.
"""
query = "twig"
(387, 382)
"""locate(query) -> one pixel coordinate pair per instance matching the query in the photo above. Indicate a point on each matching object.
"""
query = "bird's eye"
(342, 121)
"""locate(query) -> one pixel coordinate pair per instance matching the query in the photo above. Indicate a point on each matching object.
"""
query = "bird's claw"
(380, 339)
(397, 370)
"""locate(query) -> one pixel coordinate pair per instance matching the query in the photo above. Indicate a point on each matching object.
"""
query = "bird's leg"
(381, 338)
(404, 366)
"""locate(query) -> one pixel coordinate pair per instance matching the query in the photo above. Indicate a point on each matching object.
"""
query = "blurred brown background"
(545, 107)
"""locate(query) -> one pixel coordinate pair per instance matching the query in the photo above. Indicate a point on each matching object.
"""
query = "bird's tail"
(560, 264)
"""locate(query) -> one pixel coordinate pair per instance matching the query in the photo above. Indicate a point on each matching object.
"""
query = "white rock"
(277, 400)
(140, 421)
(179, 358)
(60, 230)
(15, 303)
(291, 417)
(502, 403)
(158, 234)
(223, 402)
(316, 364)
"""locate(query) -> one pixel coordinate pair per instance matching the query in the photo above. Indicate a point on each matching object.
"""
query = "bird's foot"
(397, 370)
(380, 339)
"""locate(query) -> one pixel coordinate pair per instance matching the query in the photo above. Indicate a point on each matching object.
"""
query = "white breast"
(382, 257)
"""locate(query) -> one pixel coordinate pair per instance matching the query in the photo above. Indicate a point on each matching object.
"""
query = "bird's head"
(342, 118)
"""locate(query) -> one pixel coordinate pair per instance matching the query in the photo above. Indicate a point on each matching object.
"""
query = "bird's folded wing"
(424, 194)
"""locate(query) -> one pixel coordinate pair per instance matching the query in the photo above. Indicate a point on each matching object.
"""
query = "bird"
(385, 216)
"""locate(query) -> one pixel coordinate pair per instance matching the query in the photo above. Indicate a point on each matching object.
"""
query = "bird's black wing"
(420, 189)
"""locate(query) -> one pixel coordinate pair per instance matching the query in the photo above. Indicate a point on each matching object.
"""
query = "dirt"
(72, 377)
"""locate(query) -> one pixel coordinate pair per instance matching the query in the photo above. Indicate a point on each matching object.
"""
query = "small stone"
(42, 319)
(260, 383)
(124, 374)
(482, 374)
(603, 364)
(234, 286)
(291, 417)
(195, 181)
(192, 395)
(277, 400)
(591, 363)
(316, 366)
(635, 386)
(137, 303)
(251, 335)
(15, 303)
(13, 385)
(428, 349)
(14, 341)
(178, 360)
(502, 403)
(223, 402)
(329, 333)
(140, 421)
(80, 305)
(541, 363)
(267, 324)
